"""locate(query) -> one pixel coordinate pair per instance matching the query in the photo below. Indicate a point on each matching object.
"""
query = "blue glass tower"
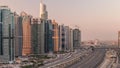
(48, 37)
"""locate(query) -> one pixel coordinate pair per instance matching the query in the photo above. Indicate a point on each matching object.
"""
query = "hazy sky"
(97, 19)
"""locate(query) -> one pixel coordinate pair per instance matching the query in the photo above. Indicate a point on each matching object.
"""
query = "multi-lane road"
(65, 58)
(91, 61)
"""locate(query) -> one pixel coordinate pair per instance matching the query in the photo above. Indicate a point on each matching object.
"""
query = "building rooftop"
(4, 7)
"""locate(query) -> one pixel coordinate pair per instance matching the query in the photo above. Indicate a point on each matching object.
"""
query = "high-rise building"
(6, 35)
(18, 35)
(119, 39)
(76, 38)
(61, 38)
(35, 36)
(43, 11)
(118, 46)
(48, 37)
(1, 49)
(68, 39)
(55, 36)
(46, 31)
(26, 24)
(42, 36)
(71, 39)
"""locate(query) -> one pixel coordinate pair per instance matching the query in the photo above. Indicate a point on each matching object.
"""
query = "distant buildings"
(69, 39)
(6, 35)
(96, 42)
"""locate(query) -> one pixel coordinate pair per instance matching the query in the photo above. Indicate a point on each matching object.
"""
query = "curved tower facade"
(43, 11)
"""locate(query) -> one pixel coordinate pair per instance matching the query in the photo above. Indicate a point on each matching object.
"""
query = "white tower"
(43, 11)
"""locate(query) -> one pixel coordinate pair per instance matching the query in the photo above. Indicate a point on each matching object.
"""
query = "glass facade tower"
(18, 35)
(6, 34)
(48, 37)
(76, 38)
(1, 47)
(35, 36)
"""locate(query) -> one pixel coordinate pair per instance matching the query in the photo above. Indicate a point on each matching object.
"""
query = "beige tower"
(43, 11)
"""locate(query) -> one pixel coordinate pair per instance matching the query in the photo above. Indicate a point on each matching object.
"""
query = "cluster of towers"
(23, 35)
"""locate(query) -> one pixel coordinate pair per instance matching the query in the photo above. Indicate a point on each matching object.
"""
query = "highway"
(58, 58)
(91, 61)
(67, 58)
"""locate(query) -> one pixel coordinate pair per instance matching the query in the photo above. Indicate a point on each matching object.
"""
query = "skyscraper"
(76, 38)
(18, 35)
(6, 35)
(1, 46)
(48, 37)
(62, 38)
(26, 24)
(43, 11)
(42, 36)
(71, 39)
(119, 39)
(36, 36)
(68, 39)
(42, 41)
(55, 36)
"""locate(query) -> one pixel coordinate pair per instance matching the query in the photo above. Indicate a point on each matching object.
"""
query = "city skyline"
(59, 34)
(91, 16)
